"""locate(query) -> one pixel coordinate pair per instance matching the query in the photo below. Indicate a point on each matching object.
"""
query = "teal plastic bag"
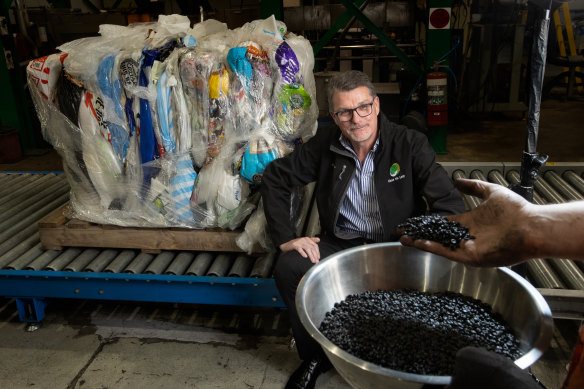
(256, 158)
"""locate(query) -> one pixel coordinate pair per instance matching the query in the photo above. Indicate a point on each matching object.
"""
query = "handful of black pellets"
(435, 228)
(416, 332)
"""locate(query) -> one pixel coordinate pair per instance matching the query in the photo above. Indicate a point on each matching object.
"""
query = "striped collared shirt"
(359, 214)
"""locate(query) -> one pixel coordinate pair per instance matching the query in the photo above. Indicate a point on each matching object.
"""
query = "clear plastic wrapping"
(164, 124)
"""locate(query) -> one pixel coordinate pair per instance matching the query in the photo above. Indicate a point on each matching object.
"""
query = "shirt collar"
(347, 144)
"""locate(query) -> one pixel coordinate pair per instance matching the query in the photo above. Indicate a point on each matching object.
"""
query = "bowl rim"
(542, 343)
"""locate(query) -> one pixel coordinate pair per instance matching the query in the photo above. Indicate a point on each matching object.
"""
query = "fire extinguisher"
(437, 99)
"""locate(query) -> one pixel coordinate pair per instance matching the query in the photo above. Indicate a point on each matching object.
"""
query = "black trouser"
(290, 269)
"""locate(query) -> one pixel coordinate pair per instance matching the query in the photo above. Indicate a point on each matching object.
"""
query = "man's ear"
(334, 117)
(376, 103)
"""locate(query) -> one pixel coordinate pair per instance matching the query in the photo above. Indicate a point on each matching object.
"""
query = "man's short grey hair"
(347, 81)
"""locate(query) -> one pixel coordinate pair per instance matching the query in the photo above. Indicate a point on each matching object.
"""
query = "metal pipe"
(359, 57)
(120, 262)
(63, 259)
(547, 192)
(160, 263)
(496, 177)
(575, 180)
(25, 258)
(39, 186)
(543, 275)
(513, 176)
(139, 263)
(15, 239)
(200, 265)
(82, 260)
(458, 174)
(220, 265)
(478, 175)
(43, 260)
(15, 185)
(45, 195)
(103, 259)
(562, 186)
(350, 47)
(571, 273)
(5, 178)
(180, 263)
(18, 249)
(35, 212)
(14, 176)
(32, 187)
(262, 267)
(241, 266)
(30, 218)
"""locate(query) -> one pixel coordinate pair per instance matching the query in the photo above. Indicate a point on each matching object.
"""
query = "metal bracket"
(530, 165)
(565, 303)
(31, 310)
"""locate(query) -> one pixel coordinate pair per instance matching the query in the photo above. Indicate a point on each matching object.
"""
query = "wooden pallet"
(57, 231)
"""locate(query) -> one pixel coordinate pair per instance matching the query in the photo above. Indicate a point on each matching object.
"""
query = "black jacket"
(405, 174)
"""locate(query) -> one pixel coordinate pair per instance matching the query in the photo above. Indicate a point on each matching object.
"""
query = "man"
(370, 175)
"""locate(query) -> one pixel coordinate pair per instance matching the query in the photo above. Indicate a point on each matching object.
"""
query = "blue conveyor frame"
(33, 289)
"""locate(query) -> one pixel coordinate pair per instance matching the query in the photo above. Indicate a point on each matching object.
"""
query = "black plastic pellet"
(416, 332)
(435, 228)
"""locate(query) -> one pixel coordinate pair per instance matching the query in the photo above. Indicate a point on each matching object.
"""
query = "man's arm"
(280, 178)
(510, 230)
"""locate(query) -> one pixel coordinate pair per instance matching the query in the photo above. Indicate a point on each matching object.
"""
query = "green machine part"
(437, 46)
(14, 106)
(352, 9)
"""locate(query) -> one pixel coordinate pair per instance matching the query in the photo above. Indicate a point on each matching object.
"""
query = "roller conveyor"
(33, 276)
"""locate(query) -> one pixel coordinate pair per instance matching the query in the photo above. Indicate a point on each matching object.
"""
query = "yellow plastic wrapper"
(218, 79)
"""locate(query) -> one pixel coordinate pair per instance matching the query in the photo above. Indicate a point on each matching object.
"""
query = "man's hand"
(499, 224)
(307, 247)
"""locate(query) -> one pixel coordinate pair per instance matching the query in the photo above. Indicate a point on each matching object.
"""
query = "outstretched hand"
(306, 246)
(499, 224)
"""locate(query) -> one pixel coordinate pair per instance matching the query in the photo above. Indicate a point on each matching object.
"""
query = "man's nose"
(355, 116)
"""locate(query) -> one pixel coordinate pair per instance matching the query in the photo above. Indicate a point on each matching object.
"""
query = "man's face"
(359, 130)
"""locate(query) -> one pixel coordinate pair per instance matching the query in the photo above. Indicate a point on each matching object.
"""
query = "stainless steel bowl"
(393, 266)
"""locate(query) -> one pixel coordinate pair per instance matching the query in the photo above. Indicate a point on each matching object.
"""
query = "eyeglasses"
(347, 114)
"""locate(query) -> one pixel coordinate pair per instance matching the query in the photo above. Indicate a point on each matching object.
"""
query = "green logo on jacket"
(394, 169)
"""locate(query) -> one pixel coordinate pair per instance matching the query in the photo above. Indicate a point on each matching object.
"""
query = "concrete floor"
(93, 344)
(96, 344)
